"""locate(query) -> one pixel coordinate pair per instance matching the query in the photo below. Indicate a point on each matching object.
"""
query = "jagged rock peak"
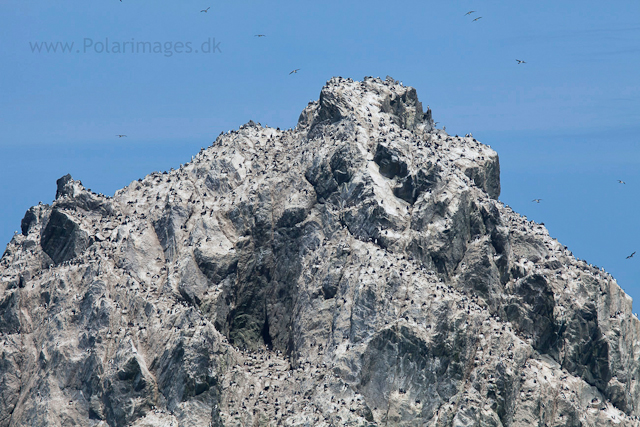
(68, 187)
(355, 270)
(370, 100)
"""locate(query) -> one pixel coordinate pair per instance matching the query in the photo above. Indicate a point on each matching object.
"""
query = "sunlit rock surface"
(356, 270)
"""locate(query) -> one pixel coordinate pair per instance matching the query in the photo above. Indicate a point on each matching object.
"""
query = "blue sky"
(565, 124)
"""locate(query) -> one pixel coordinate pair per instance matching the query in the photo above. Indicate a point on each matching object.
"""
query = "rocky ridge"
(355, 270)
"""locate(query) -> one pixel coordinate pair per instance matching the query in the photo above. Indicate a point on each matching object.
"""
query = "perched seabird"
(479, 17)
(536, 200)
(121, 136)
(205, 10)
(520, 61)
(294, 71)
(469, 13)
(621, 182)
(631, 256)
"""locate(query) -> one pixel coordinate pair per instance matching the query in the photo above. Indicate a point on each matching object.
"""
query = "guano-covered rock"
(357, 270)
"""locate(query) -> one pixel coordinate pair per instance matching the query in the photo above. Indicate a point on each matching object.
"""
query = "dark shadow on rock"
(62, 239)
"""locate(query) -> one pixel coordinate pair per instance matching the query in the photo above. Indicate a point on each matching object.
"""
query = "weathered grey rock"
(62, 238)
(356, 270)
(72, 195)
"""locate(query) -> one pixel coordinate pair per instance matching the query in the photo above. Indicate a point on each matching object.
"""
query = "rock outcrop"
(358, 270)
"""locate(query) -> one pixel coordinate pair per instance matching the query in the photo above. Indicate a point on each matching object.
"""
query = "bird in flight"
(260, 35)
(120, 136)
(521, 61)
(469, 13)
(205, 10)
(536, 200)
(621, 182)
(631, 256)
(479, 17)
(294, 71)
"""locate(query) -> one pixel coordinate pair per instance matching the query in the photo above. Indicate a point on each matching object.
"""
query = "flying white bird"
(294, 71)
(536, 200)
(121, 136)
(520, 61)
(260, 35)
(621, 182)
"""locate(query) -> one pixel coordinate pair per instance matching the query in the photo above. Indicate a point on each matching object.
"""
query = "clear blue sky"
(566, 124)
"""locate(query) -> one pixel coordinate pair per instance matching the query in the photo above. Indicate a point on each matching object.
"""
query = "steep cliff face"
(356, 270)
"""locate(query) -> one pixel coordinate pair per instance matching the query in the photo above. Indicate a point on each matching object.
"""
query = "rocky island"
(356, 270)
